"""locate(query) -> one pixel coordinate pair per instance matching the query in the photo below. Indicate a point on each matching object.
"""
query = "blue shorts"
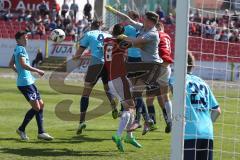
(30, 92)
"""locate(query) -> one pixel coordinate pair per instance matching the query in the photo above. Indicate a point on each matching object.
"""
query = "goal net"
(213, 38)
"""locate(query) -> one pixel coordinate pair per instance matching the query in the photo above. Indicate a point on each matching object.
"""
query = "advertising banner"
(15, 5)
(7, 48)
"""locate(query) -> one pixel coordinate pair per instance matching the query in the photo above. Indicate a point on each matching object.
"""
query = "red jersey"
(114, 58)
(164, 47)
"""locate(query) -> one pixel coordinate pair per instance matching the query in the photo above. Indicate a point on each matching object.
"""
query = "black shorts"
(198, 149)
(132, 60)
(96, 71)
(30, 92)
(153, 90)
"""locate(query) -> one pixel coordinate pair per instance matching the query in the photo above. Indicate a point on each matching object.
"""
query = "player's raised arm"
(120, 14)
(12, 64)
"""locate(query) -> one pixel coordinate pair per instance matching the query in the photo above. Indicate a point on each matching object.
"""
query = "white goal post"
(181, 47)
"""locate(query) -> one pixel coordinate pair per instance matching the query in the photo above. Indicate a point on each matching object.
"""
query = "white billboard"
(7, 48)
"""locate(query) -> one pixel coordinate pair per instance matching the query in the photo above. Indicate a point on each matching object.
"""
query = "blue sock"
(39, 119)
(142, 108)
(83, 108)
(121, 108)
(138, 110)
(84, 104)
(28, 117)
(151, 111)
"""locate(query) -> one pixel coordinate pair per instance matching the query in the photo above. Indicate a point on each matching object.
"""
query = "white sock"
(131, 120)
(123, 122)
(168, 107)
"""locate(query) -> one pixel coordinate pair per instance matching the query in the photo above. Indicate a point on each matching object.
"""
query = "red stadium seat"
(5, 35)
(68, 38)
(37, 36)
(44, 37)
(12, 35)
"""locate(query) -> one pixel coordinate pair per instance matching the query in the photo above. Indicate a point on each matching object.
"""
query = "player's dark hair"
(19, 34)
(117, 30)
(152, 16)
(190, 62)
(134, 15)
(160, 26)
(96, 24)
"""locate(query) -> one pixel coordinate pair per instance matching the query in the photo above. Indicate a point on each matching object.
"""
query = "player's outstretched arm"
(135, 42)
(120, 14)
(29, 68)
(12, 64)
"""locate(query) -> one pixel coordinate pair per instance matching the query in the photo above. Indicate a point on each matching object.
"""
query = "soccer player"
(114, 57)
(134, 55)
(147, 41)
(20, 63)
(202, 109)
(94, 40)
(162, 91)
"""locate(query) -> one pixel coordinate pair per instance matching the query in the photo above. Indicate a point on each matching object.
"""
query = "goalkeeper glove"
(121, 37)
(110, 9)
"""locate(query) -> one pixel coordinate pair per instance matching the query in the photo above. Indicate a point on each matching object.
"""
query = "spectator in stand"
(55, 11)
(28, 16)
(70, 30)
(31, 28)
(74, 8)
(43, 8)
(235, 16)
(160, 13)
(225, 17)
(170, 19)
(65, 9)
(225, 35)
(217, 36)
(52, 25)
(197, 16)
(46, 20)
(38, 19)
(41, 29)
(66, 21)
(38, 59)
(87, 10)
(191, 15)
(235, 36)
(22, 15)
(8, 15)
(59, 24)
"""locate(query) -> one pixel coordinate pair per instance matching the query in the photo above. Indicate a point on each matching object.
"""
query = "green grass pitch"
(95, 143)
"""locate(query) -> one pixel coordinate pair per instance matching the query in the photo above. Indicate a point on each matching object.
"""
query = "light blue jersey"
(199, 102)
(94, 41)
(24, 76)
(130, 31)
